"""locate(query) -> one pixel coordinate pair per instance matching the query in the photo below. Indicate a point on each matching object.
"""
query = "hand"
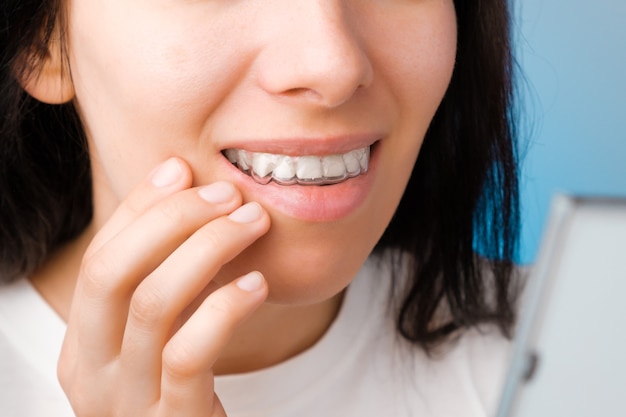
(143, 334)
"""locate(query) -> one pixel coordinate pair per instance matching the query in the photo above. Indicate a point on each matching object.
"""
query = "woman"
(285, 136)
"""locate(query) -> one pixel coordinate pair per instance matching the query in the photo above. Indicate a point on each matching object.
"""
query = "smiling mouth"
(302, 170)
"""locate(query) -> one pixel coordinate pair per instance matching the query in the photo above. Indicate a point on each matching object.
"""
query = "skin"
(158, 305)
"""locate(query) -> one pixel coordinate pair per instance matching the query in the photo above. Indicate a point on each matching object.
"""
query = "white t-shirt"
(361, 367)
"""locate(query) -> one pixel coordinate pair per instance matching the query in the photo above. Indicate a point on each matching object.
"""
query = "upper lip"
(318, 145)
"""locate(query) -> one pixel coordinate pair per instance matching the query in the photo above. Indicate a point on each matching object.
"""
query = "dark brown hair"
(45, 184)
(459, 215)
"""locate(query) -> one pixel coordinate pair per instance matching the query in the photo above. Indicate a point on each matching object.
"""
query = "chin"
(306, 266)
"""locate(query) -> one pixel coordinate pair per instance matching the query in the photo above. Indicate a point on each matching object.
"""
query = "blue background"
(572, 55)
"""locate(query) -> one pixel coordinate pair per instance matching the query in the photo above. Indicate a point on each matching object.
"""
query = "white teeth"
(264, 163)
(351, 160)
(244, 161)
(309, 168)
(287, 170)
(333, 167)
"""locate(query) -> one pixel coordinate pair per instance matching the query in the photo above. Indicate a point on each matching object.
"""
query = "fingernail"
(246, 213)
(251, 282)
(167, 174)
(216, 193)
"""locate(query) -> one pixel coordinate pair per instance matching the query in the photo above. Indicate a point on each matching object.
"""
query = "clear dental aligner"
(303, 170)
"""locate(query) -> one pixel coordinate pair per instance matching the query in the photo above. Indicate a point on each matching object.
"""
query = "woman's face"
(327, 79)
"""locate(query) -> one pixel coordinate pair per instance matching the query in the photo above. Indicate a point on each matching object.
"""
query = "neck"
(272, 335)
(276, 333)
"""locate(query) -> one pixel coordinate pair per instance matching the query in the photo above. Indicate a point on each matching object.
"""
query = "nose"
(314, 53)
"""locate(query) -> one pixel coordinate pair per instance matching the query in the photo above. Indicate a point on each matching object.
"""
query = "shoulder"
(464, 376)
(485, 354)
(30, 339)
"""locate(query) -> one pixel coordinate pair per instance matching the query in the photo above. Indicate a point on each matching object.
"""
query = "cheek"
(424, 55)
(145, 90)
(420, 59)
(413, 46)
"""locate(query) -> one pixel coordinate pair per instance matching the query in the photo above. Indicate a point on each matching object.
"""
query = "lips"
(304, 170)
(322, 181)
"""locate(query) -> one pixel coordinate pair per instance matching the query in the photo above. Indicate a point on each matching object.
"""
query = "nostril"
(306, 93)
(296, 91)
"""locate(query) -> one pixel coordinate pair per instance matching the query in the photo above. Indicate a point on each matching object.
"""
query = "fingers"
(159, 251)
(192, 351)
(111, 273)
(171, 176)
(161, 298)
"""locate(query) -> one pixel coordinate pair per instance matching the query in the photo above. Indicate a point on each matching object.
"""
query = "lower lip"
(308, 202)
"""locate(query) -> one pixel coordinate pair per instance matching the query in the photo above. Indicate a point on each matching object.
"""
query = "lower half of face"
(316, 110)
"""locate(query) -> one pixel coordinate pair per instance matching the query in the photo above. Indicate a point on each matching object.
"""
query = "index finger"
(169, 177)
